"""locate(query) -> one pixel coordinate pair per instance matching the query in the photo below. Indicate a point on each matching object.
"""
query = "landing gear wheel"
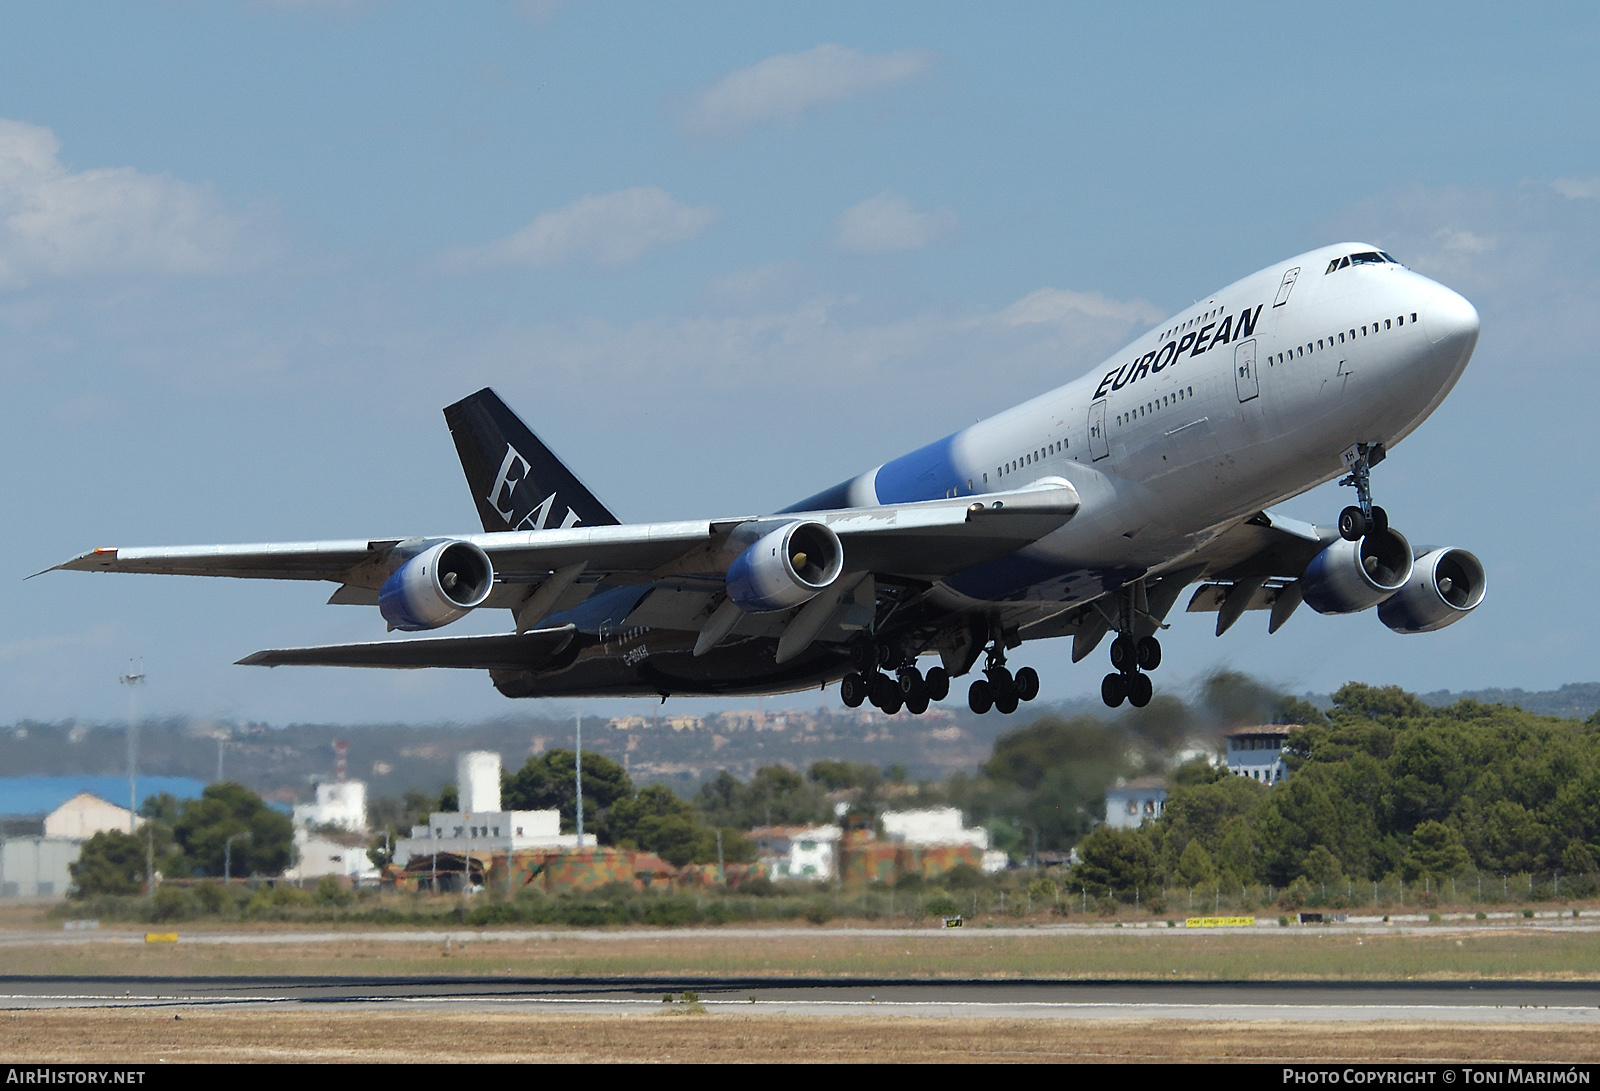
(1380, 522)
(911, 681)
(1000, 679)
(1113, 690)
(1352, 524)
(1006, 702)
(1027, 681)
(852, 690)
(863, 656)
(938, 681)
(917, 703)
(881, 689)
(1149, 653)
(890, 655)
(1140, 690)
(1124, 653)
(894, 700)
(980, 696)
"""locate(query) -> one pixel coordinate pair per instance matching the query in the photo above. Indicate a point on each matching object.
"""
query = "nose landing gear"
(1362, 518)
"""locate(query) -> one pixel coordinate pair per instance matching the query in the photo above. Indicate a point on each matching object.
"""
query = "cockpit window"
(1388, 257)
(1371, 257)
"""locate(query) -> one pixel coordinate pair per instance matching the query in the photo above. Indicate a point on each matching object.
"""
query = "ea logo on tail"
(513, 472)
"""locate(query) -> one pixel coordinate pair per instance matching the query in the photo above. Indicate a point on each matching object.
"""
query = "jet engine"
(1348, 577)
(437, 586)
(785, 567)
(1445, 586)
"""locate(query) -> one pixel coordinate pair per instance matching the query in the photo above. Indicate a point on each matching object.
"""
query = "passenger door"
(1245, 379)
(1099, 447)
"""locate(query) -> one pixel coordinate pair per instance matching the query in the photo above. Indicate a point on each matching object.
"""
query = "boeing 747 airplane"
(1086, 511)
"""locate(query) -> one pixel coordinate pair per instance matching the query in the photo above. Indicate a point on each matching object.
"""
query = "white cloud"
(608, 230)
(784, 87)
(1577, 187)
(887, 223)
(1058, 305)
(57, 223)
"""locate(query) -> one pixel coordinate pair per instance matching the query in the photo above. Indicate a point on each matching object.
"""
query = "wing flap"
(538, 649)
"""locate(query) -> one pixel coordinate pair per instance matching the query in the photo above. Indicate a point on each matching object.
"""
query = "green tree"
(1195, 866)
(776, 795)
(549, 782)
(225, 810)
(838, 775)
(1121, 861)
(110, 862)
(657, 821)
(1436, 852)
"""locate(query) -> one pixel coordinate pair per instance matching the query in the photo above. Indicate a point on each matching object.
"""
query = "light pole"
(132, 679)
(227, 854)
(579, 778)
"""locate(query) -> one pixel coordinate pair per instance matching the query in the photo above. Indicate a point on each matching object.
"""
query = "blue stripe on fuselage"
(925, 474)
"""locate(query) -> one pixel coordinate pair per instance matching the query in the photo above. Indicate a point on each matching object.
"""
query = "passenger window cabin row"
(1329, 341)
(1183, 393)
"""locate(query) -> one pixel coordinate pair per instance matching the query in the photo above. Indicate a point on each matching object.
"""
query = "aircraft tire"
(1352, 524)
(890, 655)
(863, 656)
(1380, 521)
(1140, 690)
(1149, 649)
(1006, 703)
(980, 696)
(910, 681)
(917, 703)
(1124, 653)
(1113, 690)
(895, 701)
(1027, 681)
(852, 690)
(938, 680)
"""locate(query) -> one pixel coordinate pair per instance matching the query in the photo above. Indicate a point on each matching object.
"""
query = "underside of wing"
(538, 649)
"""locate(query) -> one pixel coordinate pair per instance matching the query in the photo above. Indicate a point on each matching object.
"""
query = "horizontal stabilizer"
(538, 649)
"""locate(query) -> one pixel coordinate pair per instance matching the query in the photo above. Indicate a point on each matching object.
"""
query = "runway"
(1506, 1002)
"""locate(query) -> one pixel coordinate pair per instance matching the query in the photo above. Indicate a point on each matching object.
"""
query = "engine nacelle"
(1348, 577)
(1445, 586)
(437, 586)
(786, 567)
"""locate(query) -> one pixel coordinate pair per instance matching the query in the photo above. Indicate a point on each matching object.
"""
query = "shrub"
(330, 891)
(1481, 915)
(172, 903)
(967, 877)
(941, 905)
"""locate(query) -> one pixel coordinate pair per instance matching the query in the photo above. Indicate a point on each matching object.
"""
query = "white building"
(480, 825)
(798, 852)
(342, 803)
(37, 867)
(1131, 804)
(941, 826)
(339, 853)
(1257, 752)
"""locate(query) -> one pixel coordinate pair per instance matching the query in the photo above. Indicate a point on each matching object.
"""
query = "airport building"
(44, 822)
(1132, 803)
(480, 828)
(1257, 752)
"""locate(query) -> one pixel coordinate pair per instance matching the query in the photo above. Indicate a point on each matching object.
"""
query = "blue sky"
(720, 256)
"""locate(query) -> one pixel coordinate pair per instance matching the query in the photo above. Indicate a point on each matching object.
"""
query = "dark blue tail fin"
(516, 481)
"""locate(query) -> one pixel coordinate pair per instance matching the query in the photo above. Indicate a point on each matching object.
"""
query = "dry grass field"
(1299, 954)
(148, 1037)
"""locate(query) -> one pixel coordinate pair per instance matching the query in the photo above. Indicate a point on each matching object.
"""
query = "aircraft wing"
(924, 540)
(536, 649)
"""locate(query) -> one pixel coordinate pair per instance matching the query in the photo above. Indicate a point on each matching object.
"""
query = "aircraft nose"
(1450, 318)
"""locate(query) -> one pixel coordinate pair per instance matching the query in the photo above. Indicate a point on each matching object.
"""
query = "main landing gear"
(1131, 656)
(999, 688)
(906, 688)
(1362, 518)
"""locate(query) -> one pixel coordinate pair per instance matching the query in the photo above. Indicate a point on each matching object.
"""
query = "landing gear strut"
(1130, 657)
(1362, 518)
(999, 688)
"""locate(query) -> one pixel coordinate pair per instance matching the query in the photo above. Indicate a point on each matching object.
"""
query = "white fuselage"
(1237, 403)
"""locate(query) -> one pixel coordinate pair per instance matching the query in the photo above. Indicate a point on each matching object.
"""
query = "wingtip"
(256, 659)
